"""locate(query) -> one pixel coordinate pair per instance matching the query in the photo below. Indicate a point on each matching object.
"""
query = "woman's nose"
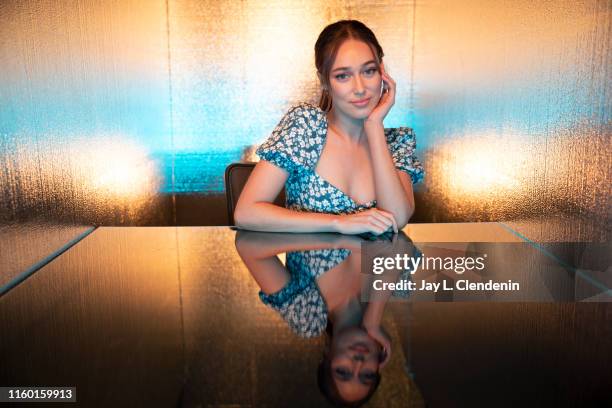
(359, 357)
(359, 88)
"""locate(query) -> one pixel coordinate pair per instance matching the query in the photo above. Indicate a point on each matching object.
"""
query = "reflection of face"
(354, 363)
(360, 79)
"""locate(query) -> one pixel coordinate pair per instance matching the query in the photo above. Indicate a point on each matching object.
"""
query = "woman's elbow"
(241, 216)
(403, 220)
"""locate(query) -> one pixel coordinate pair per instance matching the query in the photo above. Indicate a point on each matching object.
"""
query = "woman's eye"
(368, 72)
(343, 373)
(369, 376)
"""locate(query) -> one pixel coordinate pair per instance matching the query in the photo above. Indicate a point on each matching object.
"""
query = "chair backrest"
(236, 176)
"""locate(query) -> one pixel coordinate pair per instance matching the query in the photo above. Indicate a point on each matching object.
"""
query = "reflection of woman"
(343, 172)
(319, 291)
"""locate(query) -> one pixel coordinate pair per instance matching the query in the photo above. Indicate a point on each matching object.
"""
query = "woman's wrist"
(374, 130)
(335, 223)
(370, 323)
(372, 124)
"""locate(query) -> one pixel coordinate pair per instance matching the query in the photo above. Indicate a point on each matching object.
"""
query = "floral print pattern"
(300, 303)
(296, 144)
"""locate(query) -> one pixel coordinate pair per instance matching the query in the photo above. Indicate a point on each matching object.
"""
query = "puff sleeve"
(301, 305)
(290, 144)
(402, 145)
(300, 302)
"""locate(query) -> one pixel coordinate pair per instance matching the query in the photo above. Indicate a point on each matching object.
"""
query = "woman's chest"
(347, 168)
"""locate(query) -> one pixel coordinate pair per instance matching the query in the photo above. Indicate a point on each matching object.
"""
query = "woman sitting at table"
(342, 170)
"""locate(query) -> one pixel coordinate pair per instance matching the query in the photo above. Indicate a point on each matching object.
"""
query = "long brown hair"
(326, 49)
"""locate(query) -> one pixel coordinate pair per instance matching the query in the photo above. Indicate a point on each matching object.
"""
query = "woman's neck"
(346, 126)
(348, 314)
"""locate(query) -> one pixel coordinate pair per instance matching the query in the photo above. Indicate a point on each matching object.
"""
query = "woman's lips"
(362, 103)
(360, 347)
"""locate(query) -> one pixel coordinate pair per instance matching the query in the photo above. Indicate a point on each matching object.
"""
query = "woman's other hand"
(387, 99)
(373, 220)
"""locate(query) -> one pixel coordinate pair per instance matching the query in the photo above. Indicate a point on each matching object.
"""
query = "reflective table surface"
(211, 316)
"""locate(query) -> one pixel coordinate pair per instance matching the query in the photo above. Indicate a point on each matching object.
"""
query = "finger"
(385, 342)
(376, 226)
(373, 223)
(392, 218)
(389, 94)
(391, 87)
(384, 98)
(384, 221)
(387, 357)
(389, 217)
(387, 78)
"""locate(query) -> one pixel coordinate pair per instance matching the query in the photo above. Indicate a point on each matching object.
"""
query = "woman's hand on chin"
(373, 220)
(376, 332)
(387, 100)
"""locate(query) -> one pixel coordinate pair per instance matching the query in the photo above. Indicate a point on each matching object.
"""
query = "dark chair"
(236, 176)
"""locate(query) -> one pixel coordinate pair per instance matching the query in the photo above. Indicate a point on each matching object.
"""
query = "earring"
(326, 100)
(329, 102)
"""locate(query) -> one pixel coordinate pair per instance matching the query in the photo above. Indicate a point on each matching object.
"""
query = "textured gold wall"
(238, 66)
(513, 113)
(84, 103)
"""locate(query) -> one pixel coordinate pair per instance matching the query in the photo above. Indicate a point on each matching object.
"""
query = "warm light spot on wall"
(280, 56)
(512, 175)
(481, 165)
(102, 178)
(476, 171)
(114, 168)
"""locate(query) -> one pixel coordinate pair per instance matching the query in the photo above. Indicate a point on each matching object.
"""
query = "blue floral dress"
(296, 144)
(300, 302)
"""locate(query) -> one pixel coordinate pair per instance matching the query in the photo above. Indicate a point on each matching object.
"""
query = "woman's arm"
(255, 210)
(265, 244)
(393, 187)
(377, 299)
(268, 271)
(258, 251)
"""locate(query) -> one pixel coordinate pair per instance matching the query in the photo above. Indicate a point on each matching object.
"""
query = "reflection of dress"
(300, 302)
(296, 145)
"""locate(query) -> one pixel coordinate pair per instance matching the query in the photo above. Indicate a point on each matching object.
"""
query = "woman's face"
(355, 77)
(355, 359)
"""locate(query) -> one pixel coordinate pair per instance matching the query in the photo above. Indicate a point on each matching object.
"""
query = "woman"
(343, 172)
